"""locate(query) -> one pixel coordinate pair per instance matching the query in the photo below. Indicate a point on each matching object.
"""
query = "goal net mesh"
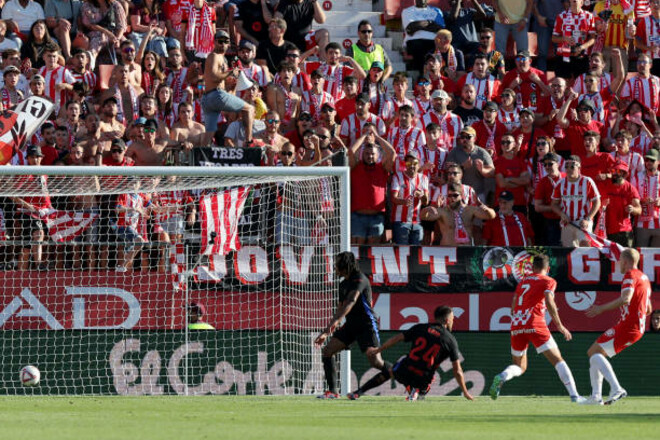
(111, 283)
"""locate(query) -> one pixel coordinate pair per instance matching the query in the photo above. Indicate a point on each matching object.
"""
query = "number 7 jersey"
(529, 302)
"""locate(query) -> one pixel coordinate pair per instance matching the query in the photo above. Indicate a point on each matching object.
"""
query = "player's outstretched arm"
(623, 300)
(340, 314)
(554, 313)
(458, 375)
(389, 343)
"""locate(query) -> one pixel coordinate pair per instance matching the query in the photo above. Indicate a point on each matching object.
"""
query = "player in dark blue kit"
(431, 345)
(355, 304)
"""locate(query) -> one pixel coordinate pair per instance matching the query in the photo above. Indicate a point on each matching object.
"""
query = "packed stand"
(541, 147)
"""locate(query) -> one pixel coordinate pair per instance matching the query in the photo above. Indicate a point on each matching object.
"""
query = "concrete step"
(397, 39)
(347, 18)
(331, 6)
(351, 30)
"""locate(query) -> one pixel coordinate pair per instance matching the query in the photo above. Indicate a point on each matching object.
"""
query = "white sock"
(567, 378)
(605, 368)
(596, 379)
(510, 372)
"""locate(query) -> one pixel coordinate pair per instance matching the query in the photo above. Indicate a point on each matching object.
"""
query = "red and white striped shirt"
(396, 104)
(644, 90)
(175, 200)
(648, 32)
(334, 77)
(313, 103)
(642, 8)
(256, 73)
(9, 98)
(351, 127)
(486, 88)
(648, 187)
(59, 75)
(132, 218)
(576, 197)
(439, 195)
(578, 26)
(300, 79)
(437, 157)
(602, 102)
(634, 161)
(449, 123)
(177, 82)
(511, 120)
(641, 143)
(405, 187)
(88, 78)
(581, 88)
(405, 140)
(421, 107)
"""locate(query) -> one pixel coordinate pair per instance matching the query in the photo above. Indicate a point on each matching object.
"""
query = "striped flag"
(64, 226)
(606, 247)
(220, 213)
(178, 266)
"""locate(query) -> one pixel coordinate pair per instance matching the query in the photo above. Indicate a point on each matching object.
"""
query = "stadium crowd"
(484, 148)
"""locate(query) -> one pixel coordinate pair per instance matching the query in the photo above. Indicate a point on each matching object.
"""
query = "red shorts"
(614, 340)
(310, 40)
(540, 338)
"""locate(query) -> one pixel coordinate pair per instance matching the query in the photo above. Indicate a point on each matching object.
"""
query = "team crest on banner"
(498, 267)
(496, 263)
(522, 265)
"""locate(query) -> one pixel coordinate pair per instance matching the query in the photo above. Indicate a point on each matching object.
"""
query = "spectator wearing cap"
(511, 17)
(370, 174)
(643, 86)
(328, 118)
(272, 51)
(620, 200)
(576, 200)
(373, 86)
(117, 156)
(511, 172)
(528, 82)
(303, 13)
(11, 57)
(365, 52)
(509, 228)
(575, 129)
(486, 85)
(489, 130)
(549, 232)
(596, 164)
(410, 191)
(467, 109)
(632, 119)
(647, 183)
(404, 136)
(247, 50)
(508, 110)
(528, 133)
(313, 100)
(351, 127)
(453, 59)
(422, 102)
(9, 93)
(31, 212)
(547, 111)
(574, 34)
(110, 127)
(284, 97)
(449, 122)
(622, 153)
(252, 20)
(37, 86)
(197, 30)
(196, 312)
(400, 89)
(420, 23)
(476, 162)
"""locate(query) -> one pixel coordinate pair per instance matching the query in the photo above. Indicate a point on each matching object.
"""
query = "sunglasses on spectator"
(322, 136)
(453, 195)
(466, 136)
(643, 62)
(424, 83)
(222, 40)
(129, 50)
(521, 58)
(412, 161)
(507, 95)
(648, 159)
(588, 81)
(453, 173)
(116, 151)
(273, 121)
(328, 109)
(325, 148)
(293, 55)
(506, 142)
(149, 130)
(548, 164)
(366, 31)
(305, 118)
(286, 153)
(583, 109)
(541, 144)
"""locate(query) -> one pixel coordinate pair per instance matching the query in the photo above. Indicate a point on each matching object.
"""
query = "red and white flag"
(606, 247)
(178, 266)
(64, 226)
(220, 213)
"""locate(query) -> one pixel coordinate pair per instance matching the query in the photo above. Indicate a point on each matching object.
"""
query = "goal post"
(105, 269)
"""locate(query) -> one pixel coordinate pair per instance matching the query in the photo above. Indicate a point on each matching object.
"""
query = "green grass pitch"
(270, 418)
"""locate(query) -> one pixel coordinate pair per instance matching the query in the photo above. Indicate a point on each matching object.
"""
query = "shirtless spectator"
(125, 94)
(271, 137)
(110, 127)
(151, 151)
(284, 97)
(457, 218)
(186, 129)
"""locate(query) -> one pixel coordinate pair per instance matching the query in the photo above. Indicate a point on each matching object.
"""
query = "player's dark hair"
(363, 23)
(442, 313)
(346, 262)
(332, 45)
(350, 80)
(540, 262)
